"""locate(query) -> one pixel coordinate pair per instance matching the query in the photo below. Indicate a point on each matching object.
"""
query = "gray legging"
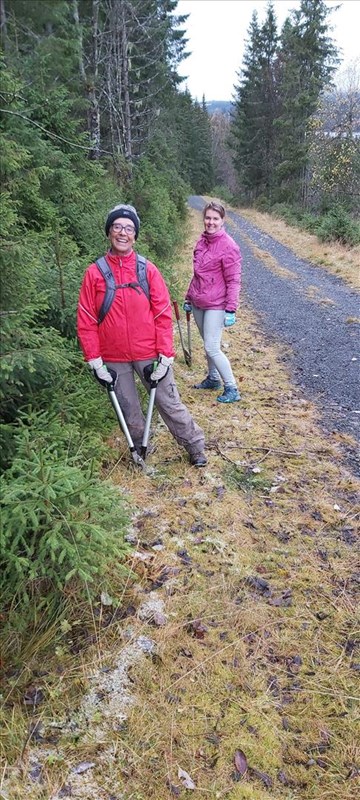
(211, 324)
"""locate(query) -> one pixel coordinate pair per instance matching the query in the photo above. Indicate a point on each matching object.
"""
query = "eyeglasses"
(118, 228)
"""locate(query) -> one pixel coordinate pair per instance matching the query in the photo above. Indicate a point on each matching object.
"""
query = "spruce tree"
(252, 128)
(306, 61)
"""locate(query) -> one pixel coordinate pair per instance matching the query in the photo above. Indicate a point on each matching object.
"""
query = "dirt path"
(229, 669)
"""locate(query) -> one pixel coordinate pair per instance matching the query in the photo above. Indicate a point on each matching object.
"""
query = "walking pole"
(187, 355)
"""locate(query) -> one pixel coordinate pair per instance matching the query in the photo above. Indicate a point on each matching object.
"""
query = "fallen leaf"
(186, 653)
(259, 584)
(262, 776)
(159, 618)
(240, 762)
(163, 576)
(35, 773)
(174, 790)
(186, 780)
(197, 528)
(285, 599)
(106, 600)
(83, 767)
(184, 556)
(33, 696)
(198, 629)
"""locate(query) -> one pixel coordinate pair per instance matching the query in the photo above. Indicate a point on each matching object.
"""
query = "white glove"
(163, 365)
(98, 366)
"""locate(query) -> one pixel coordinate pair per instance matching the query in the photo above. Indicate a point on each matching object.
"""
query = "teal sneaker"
(208, 383)
(230, 395)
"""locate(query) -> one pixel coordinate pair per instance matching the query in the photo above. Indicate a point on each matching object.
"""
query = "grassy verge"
(230, 667)
(338, 259)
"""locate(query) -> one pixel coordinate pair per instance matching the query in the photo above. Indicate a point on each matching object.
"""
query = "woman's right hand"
(187, 307)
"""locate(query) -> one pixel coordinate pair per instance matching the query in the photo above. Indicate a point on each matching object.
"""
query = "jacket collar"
(126, 260)
(211, 237)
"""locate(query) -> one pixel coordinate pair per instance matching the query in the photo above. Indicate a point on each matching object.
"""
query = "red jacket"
(134, 328)
(217, 272)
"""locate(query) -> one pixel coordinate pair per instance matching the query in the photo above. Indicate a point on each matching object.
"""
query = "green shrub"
(262, 203)
(222, 193)
(60, 523)
(338, 225)
(285, 212)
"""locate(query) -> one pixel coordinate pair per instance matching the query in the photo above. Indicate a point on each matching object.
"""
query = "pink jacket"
(217, 272)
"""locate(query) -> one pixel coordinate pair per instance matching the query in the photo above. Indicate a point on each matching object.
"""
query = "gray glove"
(164, 362)
(102, 372)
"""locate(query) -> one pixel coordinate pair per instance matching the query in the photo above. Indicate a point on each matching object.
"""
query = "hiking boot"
(198, 459)
(230, 395)
(208, 383)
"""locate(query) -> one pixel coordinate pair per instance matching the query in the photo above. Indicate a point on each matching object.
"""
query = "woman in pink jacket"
(213, 297)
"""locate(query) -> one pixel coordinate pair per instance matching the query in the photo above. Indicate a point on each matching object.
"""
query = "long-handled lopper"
(187, 353)
(188, 318)
(138, 459)
(153, 386)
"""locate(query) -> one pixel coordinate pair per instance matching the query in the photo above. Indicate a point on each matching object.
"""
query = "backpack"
(111, 286)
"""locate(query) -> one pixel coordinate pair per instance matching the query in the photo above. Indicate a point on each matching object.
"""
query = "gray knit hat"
(129, 212)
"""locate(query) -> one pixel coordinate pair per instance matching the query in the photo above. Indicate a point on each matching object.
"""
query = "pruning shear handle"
(187, 353)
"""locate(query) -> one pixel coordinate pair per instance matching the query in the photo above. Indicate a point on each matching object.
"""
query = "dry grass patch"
(336, 258)
(249, 567)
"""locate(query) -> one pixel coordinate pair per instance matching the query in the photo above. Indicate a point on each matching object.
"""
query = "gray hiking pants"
(210, 322)
(167, 401)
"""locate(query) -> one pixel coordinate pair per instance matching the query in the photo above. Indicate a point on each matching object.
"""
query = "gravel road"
(311, 312)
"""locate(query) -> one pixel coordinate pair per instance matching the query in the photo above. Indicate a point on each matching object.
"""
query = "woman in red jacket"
(135, 332)
(213, 297)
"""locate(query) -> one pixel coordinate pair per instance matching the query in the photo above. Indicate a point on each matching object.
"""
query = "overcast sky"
(216, 30)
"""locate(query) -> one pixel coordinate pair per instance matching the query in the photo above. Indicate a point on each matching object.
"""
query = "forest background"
(93, 113)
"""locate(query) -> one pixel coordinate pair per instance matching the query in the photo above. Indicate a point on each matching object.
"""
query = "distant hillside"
(219, 105)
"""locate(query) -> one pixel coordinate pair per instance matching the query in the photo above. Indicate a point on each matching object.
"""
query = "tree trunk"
(125, 72)
(3, 27)
(90, 83)
(94, 113)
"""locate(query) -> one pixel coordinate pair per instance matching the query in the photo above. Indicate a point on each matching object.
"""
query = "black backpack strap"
(141, 274)
(111, 286)
(108, 276)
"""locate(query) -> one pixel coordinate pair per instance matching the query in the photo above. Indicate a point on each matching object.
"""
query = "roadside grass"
(338, 259)
(255, 640)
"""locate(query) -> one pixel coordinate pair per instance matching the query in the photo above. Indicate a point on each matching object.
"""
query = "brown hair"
(215, 205)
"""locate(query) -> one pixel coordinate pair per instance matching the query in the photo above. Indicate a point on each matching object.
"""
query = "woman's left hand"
(230, 319)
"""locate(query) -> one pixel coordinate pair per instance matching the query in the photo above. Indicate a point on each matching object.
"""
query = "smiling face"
(213, 221)
(122, 236)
